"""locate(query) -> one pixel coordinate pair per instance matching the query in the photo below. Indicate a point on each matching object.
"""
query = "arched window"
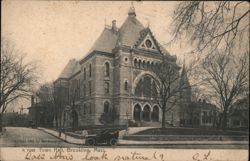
(152, 65)
(139, 65)
(135, 63)
(106, 107)
(148, 65)
(143, 64)
(126, 85)
(106, 87)
(106, 69)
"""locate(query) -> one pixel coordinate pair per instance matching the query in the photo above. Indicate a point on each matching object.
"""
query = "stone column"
(141, 118)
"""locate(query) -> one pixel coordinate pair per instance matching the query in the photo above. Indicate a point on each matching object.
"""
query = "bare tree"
(61, 98)
(169, 88)
(45, 93)
(17, 77)
(212, 25)
(227, 78)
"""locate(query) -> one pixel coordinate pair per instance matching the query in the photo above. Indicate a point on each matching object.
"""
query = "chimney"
(114, 25)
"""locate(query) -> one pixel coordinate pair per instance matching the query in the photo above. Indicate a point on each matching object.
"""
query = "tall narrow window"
(106, 107)
(90, 88)
(126, 85)
(107, 69)
(90, 70)
(84, 73)
(84, 108)
(106, 87)
(84, 90)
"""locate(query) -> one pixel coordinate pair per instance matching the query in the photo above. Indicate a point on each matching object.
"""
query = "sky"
(53, 32)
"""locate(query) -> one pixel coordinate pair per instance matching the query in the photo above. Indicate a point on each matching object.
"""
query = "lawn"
(189, 131)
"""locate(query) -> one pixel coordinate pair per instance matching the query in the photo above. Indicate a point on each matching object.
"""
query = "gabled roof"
(71, 68)
(127, 35)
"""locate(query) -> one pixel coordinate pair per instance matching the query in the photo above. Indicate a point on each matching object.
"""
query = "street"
(28, 137)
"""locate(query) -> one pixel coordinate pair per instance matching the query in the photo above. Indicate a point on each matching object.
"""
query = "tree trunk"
(224, 120)
(1, 128)
(163, 123)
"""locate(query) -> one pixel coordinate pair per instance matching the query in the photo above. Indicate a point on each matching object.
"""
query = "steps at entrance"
(151, 124)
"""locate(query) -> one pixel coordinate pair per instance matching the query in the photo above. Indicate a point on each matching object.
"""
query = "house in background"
(238, 116)
(200, 114)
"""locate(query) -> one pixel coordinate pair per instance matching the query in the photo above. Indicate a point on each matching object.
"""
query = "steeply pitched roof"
(106, 41)
(71, 68)
(130, 31)
(127, 35)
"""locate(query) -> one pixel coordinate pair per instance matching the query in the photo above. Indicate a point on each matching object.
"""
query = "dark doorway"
(146, 113)
(155, 114)
(137, 112)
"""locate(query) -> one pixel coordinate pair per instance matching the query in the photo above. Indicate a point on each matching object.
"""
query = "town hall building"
(117, 73)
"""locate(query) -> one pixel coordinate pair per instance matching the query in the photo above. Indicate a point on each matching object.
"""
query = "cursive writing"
(91, 156)
(31, 156)
(60, 156)
(200, 157)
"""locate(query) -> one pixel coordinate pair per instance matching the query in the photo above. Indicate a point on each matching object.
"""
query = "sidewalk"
(63, 137)
(73, 140)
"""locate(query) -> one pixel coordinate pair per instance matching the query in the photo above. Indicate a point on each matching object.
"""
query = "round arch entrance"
(146, 113)
(155, 114)
(137, 112)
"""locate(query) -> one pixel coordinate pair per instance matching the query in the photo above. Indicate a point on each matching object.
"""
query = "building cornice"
(95, 52)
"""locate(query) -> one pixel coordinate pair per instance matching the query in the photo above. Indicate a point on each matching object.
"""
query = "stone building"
(115, 74)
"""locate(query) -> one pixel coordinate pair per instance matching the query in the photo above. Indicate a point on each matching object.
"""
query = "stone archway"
(137, 83)
(137, 112)
(155, 114)
(146, 113)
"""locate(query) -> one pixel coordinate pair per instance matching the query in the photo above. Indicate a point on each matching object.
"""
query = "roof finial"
(131, 11)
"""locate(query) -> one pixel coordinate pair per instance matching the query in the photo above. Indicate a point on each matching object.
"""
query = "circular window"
(148, 43)
(126, 59)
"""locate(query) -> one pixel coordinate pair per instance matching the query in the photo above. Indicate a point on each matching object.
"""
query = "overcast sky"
(53, 32)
